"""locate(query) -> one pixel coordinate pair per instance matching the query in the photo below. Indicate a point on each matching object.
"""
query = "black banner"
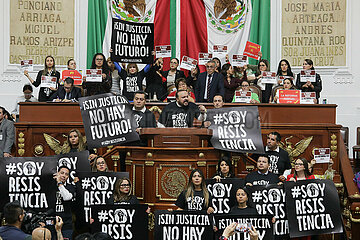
(270, 199)
(28, 180)
(182, 225)
(313, 208)
(76, 162)
(262, 224)
(224, 193)
(132, 42)
(96, 188)
(108, 120)
(121, 221)
(236, 129)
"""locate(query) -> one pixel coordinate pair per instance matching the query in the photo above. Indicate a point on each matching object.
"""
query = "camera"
(33, 219)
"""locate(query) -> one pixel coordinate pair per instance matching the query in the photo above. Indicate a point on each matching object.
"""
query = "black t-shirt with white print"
(179, 117)
(197, 203)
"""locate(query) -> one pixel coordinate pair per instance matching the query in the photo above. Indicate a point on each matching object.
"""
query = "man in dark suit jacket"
(204, 92)
(66, 93)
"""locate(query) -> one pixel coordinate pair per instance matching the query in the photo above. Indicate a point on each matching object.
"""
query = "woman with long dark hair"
(122, 192)
(284, 69)
(301, 171)
(94, 88)
(50, 71)
(265, 87)
(224, 169)
(230, 82)
(242, 207)
(287, 85)
(309, 86)
(195, 197)
(155, 81)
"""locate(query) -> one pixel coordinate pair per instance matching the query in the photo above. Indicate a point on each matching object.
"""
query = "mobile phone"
(242, 227)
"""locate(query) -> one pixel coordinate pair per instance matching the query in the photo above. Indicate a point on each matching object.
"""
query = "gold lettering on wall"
(39, 28)
(314, 29)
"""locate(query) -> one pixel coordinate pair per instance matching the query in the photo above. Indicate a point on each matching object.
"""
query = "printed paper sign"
(308, 97)
(289, 96)
(307, 75)
(26, 65)
(48, 81)
(322, 155)
(188, 63)
(163, 51)
(132, 42)
(252, 50)
(242, 96)
(239, 60)
(204, 58)
(268, 77)
(74, 74)
(93, 75)
(220, 51)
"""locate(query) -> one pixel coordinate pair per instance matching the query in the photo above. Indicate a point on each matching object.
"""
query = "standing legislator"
(181, 113)
(209, 84)
(7, 134)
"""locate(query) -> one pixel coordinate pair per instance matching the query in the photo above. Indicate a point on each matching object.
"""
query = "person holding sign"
(195, 197)
(224, 169)
(75, 142)
(122, 193)
(94, 88)
(301, 171)
(71, 64)
(284, 69)
(266, 88)
(287, 85)
(191, 80)
(209, 84)
(67, 92)
(309, 86)
(48, 72)
(262, 176)
(173, 74)
(181, 113)
(245, 87)
(180, 84)
(242, 197)
(230, 82)
(155, 86)
(64, 196)
(100, 165)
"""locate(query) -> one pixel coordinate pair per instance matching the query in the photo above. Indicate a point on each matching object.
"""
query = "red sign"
(289, 96)
(252, 50)
(74, 74)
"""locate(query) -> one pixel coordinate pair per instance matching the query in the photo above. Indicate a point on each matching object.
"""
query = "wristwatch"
(223, 238)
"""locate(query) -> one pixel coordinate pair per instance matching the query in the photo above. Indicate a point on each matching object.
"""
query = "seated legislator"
(301, 171)
(180, 84)
(27, 97)
(262, 176)
(287, 85)
(181, 113)
(245, 87)
(66, 93)
(209, 84)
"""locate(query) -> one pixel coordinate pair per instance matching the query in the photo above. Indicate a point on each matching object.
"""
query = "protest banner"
(308, 98)
(236, 129)
(252, 50)
(93, 75)
(322, 155)
(220, 51)
(48, 81)
(239, 60)
(313, 208)
(28, 180)
(132, 42)
(76, 162)
(163, 51)
(121, 221)
(270, 200)
(307, 75)
(262, 224)
(289, 96)
(224, 193)
(205, 58)
(242, 96)
(26, 65)
(182, 225)
(74, 74)
(188, 63)
(108, 120)
(96, 188)
(268, 77)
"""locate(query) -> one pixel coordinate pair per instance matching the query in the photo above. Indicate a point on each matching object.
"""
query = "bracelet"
(60, 183)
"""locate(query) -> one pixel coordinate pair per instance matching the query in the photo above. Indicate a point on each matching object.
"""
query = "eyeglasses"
(100, 163)
(125, 185)
(299, 164)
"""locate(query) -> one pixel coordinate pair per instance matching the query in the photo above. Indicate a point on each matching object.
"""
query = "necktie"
(66, 95)
(208, 87)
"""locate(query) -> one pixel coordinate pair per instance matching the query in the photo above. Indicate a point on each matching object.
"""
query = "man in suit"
(67, 93)
(209, 84)
(7, 134)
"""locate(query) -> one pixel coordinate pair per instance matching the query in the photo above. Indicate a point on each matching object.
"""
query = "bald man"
(41, 233)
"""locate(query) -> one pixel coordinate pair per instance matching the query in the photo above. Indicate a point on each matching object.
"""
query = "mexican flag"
(189, 26)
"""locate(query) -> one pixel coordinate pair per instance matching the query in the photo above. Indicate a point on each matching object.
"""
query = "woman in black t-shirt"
(196, 196)
(224, 169)
(242, 197)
